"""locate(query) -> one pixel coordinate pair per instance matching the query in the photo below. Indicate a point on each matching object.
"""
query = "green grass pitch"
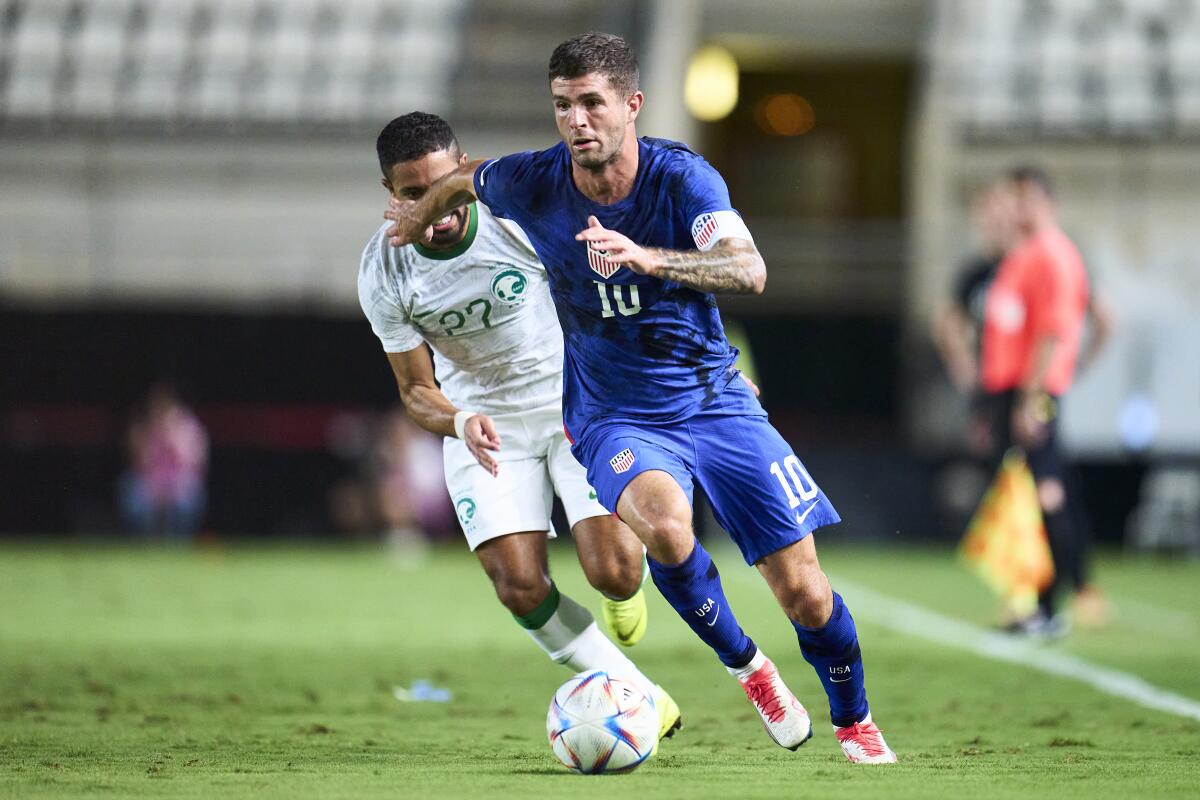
(269, 672)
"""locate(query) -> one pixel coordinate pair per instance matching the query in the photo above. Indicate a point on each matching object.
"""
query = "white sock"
(570, 637)
(864, 721)
(742, 673)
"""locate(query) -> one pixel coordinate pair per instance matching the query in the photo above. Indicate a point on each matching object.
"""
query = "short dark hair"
(1028, 173)
(606, 53)
(411, 136)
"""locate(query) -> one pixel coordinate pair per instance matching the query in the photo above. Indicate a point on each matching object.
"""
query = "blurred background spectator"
(396, 493)
(958, 326)
(410, 490)
(162, 495)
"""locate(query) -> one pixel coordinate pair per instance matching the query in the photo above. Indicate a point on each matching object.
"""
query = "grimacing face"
(409, 180)
(593, 117)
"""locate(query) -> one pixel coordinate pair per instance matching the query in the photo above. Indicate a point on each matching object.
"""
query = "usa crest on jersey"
(703, 229)
(599, 262)
(622, 461)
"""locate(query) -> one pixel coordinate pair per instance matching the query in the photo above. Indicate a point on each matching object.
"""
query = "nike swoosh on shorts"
(801, 517)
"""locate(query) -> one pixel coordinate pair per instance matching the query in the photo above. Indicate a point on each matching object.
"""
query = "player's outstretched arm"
(731, 266)
(412, 217)
(433, 411)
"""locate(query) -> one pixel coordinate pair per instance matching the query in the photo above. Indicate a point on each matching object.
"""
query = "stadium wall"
(267, 221)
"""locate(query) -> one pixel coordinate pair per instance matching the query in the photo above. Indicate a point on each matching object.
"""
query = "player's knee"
(1051, 494)
(521, 593)
(617, 577)
(810, 602)
(668, 537)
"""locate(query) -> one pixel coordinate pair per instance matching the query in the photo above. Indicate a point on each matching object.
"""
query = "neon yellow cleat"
(670, 718)
(626, 619)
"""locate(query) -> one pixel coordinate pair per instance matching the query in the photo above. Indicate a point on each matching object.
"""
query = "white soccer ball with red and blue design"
(602, 723)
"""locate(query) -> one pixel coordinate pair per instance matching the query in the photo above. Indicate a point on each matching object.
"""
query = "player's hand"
(753, 386)
(407, 226)
(1029, 420)
(482, 440)
(618, 248)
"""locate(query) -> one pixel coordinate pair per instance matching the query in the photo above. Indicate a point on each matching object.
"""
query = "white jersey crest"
(484, 308)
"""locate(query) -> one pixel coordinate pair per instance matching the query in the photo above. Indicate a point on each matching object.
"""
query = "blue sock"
(833, 652)
(693, 589)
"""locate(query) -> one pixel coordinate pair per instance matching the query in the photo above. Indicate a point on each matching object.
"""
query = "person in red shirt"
(1034, 317)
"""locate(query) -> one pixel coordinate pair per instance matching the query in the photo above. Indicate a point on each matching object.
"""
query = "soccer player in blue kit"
(636, 236)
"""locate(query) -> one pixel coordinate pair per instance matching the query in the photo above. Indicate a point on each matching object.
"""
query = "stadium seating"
(235, 62)
(1072, 67)
(225, 61)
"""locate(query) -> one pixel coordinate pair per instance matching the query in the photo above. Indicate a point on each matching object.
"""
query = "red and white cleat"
(863, 743)
(786, 721)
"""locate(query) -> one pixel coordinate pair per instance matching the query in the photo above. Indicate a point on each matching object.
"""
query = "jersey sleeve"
(706, 207)
(497, 183)
(388, 317)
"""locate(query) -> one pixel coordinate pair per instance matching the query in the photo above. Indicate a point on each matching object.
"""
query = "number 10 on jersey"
(618, 293)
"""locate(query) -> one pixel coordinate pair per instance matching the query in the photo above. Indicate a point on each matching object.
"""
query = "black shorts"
(1044, 460)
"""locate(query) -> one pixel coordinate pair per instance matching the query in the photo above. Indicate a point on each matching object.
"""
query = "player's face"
(1033, 206)
(593, 117)
(409, 180)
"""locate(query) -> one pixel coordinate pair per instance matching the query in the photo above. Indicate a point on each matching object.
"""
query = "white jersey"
(483, 306)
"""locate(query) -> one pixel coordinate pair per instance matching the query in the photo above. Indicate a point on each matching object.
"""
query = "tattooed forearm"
(733, 266)
(448, 192)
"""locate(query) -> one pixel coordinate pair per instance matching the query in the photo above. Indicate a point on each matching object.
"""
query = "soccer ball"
(602, 723)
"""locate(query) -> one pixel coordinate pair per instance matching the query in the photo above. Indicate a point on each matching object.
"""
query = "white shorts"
(535, 464)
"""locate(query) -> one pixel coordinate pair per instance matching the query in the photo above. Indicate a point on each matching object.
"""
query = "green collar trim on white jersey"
(458, 249)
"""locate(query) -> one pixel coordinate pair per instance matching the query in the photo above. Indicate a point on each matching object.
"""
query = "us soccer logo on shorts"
(598, 261)
(622, 461)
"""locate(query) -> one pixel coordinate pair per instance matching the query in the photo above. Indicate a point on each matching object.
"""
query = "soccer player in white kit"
(473, 292)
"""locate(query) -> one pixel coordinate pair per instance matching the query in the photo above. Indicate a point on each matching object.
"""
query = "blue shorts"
(760, 492)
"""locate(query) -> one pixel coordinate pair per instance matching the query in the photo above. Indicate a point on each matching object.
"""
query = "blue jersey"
(636, 348)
